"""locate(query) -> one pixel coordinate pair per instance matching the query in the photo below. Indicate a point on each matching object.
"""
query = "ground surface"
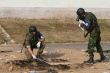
(64, 58)
(61, 58)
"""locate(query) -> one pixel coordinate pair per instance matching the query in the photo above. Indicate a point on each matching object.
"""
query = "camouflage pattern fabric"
(32, 41)
(94, 39)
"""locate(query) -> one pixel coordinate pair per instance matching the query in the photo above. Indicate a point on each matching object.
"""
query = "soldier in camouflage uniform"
(34, 39)
(93, 29)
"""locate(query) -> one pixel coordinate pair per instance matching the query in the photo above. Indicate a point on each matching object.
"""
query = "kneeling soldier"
(34, 39)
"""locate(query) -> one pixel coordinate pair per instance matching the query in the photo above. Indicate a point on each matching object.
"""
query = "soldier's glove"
(81, 24)
(38, 44)
(34, 57)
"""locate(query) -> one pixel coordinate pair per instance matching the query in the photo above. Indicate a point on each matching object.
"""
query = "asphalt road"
(54, 46)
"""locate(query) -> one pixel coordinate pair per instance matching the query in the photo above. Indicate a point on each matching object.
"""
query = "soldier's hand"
(34, 57)
(38, 44)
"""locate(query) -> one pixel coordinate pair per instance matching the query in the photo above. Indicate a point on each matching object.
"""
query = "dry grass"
(64, 30)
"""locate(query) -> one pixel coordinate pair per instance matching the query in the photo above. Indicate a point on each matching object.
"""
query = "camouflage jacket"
(91, 18)
(31, 40)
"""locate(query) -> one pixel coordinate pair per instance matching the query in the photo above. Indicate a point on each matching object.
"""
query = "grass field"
(55, 31)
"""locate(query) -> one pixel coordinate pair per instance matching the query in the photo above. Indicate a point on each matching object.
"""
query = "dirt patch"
(83, 65)
(33, 65)
(59, 60)
(67, 61)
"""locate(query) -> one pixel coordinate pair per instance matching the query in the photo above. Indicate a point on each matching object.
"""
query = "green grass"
(64, 30)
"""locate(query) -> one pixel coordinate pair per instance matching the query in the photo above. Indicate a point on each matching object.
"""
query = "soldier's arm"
(41, 40)
(41, 37)
(94, 22)
(90, 29)
(28, 46)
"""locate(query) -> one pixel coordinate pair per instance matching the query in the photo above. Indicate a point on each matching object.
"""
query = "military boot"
(91, 60)
(102, 57)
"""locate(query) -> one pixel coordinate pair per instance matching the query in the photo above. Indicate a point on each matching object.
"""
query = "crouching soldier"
(34, 39)
(88, 22)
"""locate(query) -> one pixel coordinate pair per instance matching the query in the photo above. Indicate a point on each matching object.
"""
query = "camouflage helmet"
(80, 11)
(32, 29)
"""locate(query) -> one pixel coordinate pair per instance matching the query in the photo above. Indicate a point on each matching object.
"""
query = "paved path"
(54, 46)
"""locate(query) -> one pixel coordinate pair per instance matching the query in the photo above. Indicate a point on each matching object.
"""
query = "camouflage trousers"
(39, 52)
(94, 42)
